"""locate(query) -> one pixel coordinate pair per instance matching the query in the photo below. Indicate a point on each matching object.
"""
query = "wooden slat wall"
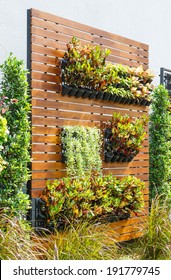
(51, 110)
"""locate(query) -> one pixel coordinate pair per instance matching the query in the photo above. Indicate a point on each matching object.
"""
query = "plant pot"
(113, 97)
(73, 91)
(108, 133)
(86, 93)
(126, 159)
(106, 96)
(120, 158)
(108, 145)
(92, 95)
(115, 158)
(100, 95)
(130, 158)
(108, 156)
(65, 89)
(80, 92)
(118, 99)
(63, 63)
(143, 102)
(148, 103)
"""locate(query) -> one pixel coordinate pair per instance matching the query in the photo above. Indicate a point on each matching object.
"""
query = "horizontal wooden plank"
(59, 174)
(84, 107)
(85, 28)
(60, 165)
(60, 122)
(45, 68)
(47, 165)
(45, 139)
(51, 34)
(36, 148)
(70, 114)
(56, 45)
(106, 104)
(85, 36)
(45, 130)
(46, 157)
(44, 58)
(46, 86)
(36, 49)
(46, 77)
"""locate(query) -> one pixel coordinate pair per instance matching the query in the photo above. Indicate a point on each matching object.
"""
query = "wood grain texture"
(51, 110)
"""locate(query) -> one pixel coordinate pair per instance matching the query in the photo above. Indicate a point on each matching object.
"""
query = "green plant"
(82, 147)
(155, 244)
(160, 123)
(92, 198)
(127, 134)
(84, 63)
(87, 68)
(82, 241)
(13, 178)
(3, 137)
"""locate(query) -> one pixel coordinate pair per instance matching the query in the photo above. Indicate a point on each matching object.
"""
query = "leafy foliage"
(87, 67)
(82, 147)
(160, 155)
(93, 197)
(16, 149)
(127, 134)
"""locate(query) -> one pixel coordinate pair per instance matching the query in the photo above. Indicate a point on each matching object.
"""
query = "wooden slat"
(45, 148)
(45, 68)
(85, 28)
(84, 108)
(86, 36)
(46, 77)
(56, 36)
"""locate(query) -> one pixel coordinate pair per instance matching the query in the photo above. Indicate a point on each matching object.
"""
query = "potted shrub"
(127, 137)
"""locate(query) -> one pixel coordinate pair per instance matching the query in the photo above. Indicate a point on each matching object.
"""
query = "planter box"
(86, 93)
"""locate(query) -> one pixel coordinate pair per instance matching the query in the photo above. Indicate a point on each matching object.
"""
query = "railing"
(165, 78)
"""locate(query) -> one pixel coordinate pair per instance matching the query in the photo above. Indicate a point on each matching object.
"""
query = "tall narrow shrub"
(13, 178)
(160, 125)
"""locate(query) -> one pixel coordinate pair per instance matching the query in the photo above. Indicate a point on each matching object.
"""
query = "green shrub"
(82, 146)
(13, 178)
(160, 124)
(91, 198)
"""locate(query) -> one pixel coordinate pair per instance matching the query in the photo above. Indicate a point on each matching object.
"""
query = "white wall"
(147, 21)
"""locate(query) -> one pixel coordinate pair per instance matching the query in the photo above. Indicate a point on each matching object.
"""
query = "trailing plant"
(126, 135)
(86, 68)
(81, 150)
(160, 155)
(13, 178)
(92, 198)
